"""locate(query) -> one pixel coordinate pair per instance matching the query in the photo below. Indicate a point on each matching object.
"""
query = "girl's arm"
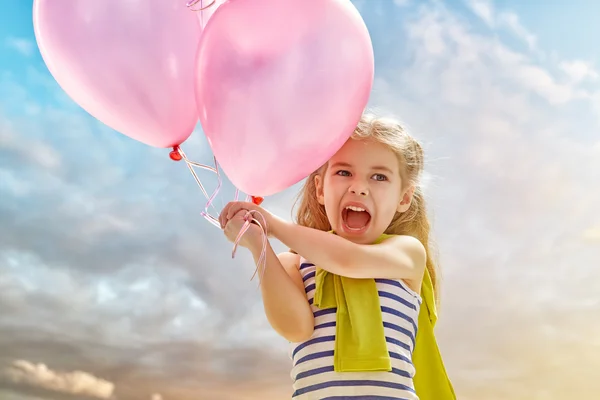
(284, 298)
(399, 257)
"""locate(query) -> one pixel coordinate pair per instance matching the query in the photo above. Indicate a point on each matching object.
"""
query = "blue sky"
(107, 267)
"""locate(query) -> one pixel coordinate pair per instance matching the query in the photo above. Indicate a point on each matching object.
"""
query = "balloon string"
(217, 189)
(192, 3)
(191, 164)
(248, 218)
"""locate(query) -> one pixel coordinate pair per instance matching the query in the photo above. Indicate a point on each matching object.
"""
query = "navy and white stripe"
(312, 373)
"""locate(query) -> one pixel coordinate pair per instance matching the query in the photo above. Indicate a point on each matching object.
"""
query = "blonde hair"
(414, 221)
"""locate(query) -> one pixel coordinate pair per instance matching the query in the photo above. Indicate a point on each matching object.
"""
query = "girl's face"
(361, 190)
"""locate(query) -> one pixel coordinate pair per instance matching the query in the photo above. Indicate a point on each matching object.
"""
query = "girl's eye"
(380, 177)
(343, 173)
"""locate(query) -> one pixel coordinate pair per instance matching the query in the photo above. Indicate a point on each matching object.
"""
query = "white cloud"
(579, 70)
(445, 39)
(76, 382)
(485, 10)
(32, 150)
(21, 45)
(512, 22)
(541, 82)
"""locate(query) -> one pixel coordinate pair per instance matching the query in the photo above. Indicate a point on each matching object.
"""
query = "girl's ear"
(319, 189)
(406, 200)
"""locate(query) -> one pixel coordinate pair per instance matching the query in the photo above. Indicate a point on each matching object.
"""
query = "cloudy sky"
(112, 286)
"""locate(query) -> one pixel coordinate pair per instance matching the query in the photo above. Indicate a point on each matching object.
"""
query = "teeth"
(353, 208)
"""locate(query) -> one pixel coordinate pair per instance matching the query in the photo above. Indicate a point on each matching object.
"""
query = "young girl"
(348, 295)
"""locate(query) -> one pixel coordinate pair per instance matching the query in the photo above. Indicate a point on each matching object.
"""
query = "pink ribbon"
(177, 154)
(262, 259)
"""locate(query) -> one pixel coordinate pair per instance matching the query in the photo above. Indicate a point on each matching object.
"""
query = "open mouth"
(355, 219)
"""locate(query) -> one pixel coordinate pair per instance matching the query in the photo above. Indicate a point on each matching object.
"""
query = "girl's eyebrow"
(383, 168)
(343, 164)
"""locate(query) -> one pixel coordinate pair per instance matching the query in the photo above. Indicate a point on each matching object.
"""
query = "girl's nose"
(359, 190)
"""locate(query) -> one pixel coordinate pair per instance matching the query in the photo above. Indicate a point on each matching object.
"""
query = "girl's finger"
(235, 207)
(240, 214)
(222, 216)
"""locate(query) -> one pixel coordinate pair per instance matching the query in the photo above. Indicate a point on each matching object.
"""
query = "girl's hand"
(258, 213)
(252, 237)
(232, 219)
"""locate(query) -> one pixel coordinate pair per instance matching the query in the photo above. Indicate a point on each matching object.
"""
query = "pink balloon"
(280, 86)
(205, 9)
(129, 63)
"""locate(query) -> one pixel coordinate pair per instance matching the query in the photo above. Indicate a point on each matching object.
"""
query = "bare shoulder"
(409, 245)
(414, 256)
(289, 260)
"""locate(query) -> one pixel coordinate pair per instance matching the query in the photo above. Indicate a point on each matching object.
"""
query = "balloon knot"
(175, 154)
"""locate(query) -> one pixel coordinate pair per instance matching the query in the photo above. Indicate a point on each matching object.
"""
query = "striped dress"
(312, 372)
